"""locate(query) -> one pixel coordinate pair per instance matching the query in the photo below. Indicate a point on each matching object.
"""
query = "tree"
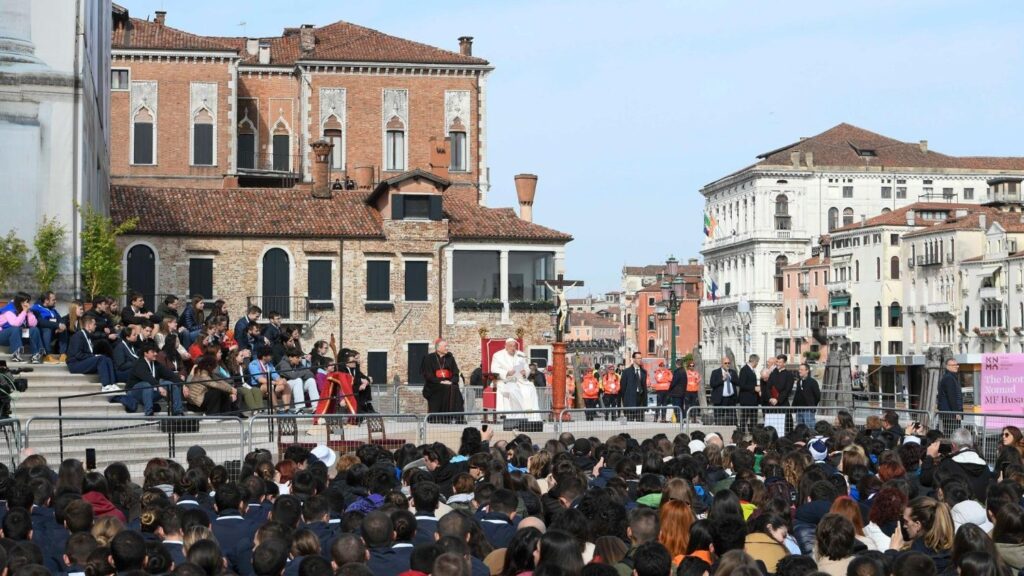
(49, 245)
(101, 263)
(13, 255)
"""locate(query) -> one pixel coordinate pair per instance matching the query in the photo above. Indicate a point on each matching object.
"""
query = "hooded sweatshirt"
(1012, 554)
(103, 507)
(966, 464)
(970, 512)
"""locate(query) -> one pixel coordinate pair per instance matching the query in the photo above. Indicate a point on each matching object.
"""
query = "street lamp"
(672, 297)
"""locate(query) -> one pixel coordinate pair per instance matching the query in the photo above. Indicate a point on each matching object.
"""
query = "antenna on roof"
(242, 24)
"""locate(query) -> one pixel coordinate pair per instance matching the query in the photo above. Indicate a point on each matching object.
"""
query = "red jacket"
(103, 507)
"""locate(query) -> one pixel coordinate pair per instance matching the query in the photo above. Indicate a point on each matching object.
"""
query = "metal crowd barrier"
(10, 447)
(447, 427)
(134, 440)
(987, 428)
(637, 421)
(783, 418)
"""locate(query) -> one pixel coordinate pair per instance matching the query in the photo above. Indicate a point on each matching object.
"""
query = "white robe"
(514, 392)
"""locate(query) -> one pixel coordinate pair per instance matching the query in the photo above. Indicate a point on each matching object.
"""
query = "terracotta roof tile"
(337, 42)
(848, 145)
(146, 35)
(898, 217)
(1010, 221)
(295, 213)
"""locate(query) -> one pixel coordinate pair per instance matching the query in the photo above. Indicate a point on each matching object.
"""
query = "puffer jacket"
(806, 523)
(966, 464)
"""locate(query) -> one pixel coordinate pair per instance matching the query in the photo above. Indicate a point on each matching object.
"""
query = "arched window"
(833, 219)
(780, 263)
(782, 219)
(246, 143)
(967, 318)
(895, 315)
(847, 216)
(333, 134)
(878, 268)
(202, 138)
(394, 145)
(140, 272)
(459, 146)
(886, 210)
(788, 319)
(878, 315)
(650, 322)
(856, 316)
(143, 137)
(894, 267)
(856, 270)
(276, 282)
(281, 144)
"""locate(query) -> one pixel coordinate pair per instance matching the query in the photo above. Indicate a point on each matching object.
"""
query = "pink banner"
(1002, 387)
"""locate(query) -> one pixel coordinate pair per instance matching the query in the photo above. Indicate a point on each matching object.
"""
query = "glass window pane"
(524, 269)
(475, 275)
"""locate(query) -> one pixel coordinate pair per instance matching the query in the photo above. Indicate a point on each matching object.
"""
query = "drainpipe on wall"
(341, 290)
(441, 306)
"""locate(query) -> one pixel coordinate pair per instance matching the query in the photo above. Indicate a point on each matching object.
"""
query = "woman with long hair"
(929, 525)
(609, 550)
(701, 542)
(676, 518)
(559, 550)
(206, 390)
(971, 538)
(519, 557)
(170, 355)
(883, 518)
(844, 421)
(73, 322)
(833, 544)
(1008, 535)
(766, 539)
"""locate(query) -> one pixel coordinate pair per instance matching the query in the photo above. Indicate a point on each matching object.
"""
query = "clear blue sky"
(625, 109)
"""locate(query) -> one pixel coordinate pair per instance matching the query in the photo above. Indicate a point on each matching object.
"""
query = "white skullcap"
(512, 340)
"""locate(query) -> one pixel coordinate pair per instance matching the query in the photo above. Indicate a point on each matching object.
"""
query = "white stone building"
(769, 214)
(54, 116)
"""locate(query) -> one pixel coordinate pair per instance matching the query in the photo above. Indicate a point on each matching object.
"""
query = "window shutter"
(435, 208)
(417, 352)
(416, 281)
(377, 367)
(200, 276)
(143, 143)
(319, 279)
(378, 276)
(397, 207)
(202, 145)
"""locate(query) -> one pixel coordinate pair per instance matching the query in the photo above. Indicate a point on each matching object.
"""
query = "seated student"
(264, 376)
(192, 319)
(126, 352)
(170, 355)
(135, 312)
(236, 364)
(48, 320)
(104, 335)
(149, 377)
(82, 358)
(17, 324)
(300, 378)
(77, 551)
(167, 309)
(72, 322)
(273, 335)
(252, 315)
(499, 522)
(206, 390)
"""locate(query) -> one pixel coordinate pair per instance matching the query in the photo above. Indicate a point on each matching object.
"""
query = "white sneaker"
(110, 388)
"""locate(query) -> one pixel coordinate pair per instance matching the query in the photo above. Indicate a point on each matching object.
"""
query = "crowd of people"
(186, 355)
(833, 498)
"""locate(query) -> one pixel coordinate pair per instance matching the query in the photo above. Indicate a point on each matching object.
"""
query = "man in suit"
(82, 357)
(634, 389)
(677, 390)
(750, 392)
(724, 385)
(806, 393)
(150, 377)
(950, 397)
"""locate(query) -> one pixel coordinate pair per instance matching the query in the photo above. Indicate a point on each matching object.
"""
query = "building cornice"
(393, 68)
(133, 54)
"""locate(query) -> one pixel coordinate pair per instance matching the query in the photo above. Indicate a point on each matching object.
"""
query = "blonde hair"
(105, 528)
(194, 534)
(853, 455)
(936, 522)
(305, 543)
(345, 461)
(73, 316)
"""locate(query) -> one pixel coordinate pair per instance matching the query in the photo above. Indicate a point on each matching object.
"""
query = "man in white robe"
(514, 388)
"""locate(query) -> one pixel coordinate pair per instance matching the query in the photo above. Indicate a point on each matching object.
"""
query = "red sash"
(443, 374)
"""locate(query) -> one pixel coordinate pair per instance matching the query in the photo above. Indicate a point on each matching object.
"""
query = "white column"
(449, 275)
(503, 276)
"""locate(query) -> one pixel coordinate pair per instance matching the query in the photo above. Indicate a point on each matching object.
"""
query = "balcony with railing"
(837, 331)
(940, 309)
(929, 260)
(838, 287)
(293, 309)
(805, 288)
(991, 294)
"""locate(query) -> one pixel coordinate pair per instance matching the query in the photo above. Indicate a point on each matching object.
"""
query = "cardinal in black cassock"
(441, 377)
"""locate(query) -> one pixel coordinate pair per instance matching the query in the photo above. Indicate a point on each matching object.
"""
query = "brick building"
(801, 324)
(384, 240)
(647, 323)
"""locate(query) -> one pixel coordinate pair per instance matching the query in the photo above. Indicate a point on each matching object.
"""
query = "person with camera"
(956, 457)
(18, 324)
(83, 358)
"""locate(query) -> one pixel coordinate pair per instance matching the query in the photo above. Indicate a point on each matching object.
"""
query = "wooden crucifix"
(559, 287)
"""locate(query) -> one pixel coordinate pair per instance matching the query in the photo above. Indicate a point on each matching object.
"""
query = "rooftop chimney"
(982, 221)
(924, 146)
(809, 159)
(160, 16)
(264, 52)
(794, 157)
(863, 220)
(961, 213)
(307, 40)
(252, 46)
(321, 181)
(910, 218)
(526, 189)
(692, 261)
(466, 45)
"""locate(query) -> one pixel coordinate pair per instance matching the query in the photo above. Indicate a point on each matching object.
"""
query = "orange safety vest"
(591, 387)
(692, 381)
(662, 380)
(611, 384)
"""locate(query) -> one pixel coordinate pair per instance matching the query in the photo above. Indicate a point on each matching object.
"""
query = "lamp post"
(672, 297)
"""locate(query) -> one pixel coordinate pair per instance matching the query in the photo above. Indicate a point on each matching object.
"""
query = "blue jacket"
(46, 318)
(125, 355)
(8, 308)
(950, 398)
(188, 319)
(389, 560)
(498, 528)
(242, 332)
(326, 533)
(177, 552)
(78, 347)
(230, 528)
(426, 527)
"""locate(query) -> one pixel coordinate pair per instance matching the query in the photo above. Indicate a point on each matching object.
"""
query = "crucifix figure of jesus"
(559, 287)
